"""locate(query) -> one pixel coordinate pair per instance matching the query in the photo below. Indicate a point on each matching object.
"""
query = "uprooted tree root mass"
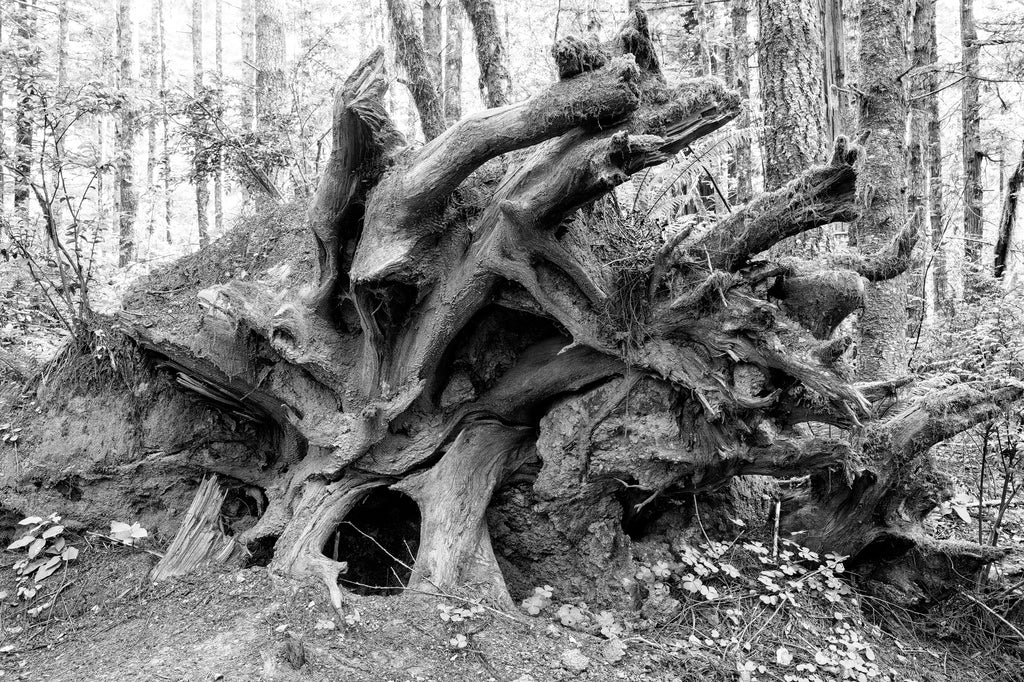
(463, 342)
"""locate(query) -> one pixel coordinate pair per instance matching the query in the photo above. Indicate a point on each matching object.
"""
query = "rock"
(573, 659)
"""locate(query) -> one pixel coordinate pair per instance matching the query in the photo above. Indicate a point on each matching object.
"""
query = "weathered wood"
(486, 301)
(200, 538)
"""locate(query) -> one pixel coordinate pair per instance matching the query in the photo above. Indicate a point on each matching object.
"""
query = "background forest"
(146, 126)
(576, 346)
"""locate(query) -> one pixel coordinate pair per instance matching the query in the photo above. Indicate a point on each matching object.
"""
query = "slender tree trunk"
(883, 108)
(936, 209)
(917, 187)
(57, 209)
(740, 80)
(495, 83)
(25, 29)
(248, 84)
(218, 172)
(3, 152)
(972, 153)
(453, 62)
(1008, 217)
(703, 48)
(153, 71)
(789, 55)
(837, 101)
(432, 37)
(124, 136)
(412, 56)
(198, 160)
(270, 82)
(165, 153)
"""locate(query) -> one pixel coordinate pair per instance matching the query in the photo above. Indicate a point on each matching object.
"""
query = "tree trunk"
(153, 59)
(165, 153)
(124, 135)
(452, 356)
(453, 61)
(3, 175)
(837, 101)
(270, 103)
(936, 208)
(495, 83)
(917, 184)
(789, 57)
(1008, 217)
(218, 172)
(883, 109)
(413, 57)
(59, 199)
(972, 152)
(248, 77)
(432, 46)
(24, 114)
(199, 158)
(740, 79)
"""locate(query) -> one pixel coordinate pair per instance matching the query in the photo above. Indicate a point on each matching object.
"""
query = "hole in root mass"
(378, 539)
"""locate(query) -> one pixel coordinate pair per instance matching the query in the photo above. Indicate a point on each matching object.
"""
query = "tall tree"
(165, 152)
(153, 74)
(452, 86)
(837, 101)
(248, 78)
(26, 64)
(199, 161)
(432, 46)
(59, 143)
(936, 193)
(270, 101)
(739, 78)
(419, 78)
(789, 56)
(971, 116)
(1009, 216)
(882, 61)
(917, 184)
(125, 130)
(495, 83)
(3, 152)
(218, 65)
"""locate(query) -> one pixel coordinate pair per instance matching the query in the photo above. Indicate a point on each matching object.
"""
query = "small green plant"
(46, 551)
(128, 534)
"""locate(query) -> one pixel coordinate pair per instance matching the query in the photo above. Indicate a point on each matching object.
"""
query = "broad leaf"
(52, 531)
(28, 521)
(47, 569)
(22, 542)
(36, 548)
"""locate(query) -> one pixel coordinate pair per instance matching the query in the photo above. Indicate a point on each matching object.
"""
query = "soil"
(110, 623)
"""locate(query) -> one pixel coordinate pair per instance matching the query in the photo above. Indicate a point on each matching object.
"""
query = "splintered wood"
(200, 539)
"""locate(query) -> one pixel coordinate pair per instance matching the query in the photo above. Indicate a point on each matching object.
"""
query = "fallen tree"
(467, 330)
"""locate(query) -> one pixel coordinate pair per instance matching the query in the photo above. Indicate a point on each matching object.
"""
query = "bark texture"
(971, 120)
(1008, 217)
(740, 80)
(199, 163)
(495, 83)
(452, 83)
(882, 113)
(789, 56)
(125, 132)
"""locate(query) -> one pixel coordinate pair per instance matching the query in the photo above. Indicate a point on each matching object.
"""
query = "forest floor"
(102, 619)
(107, 621)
